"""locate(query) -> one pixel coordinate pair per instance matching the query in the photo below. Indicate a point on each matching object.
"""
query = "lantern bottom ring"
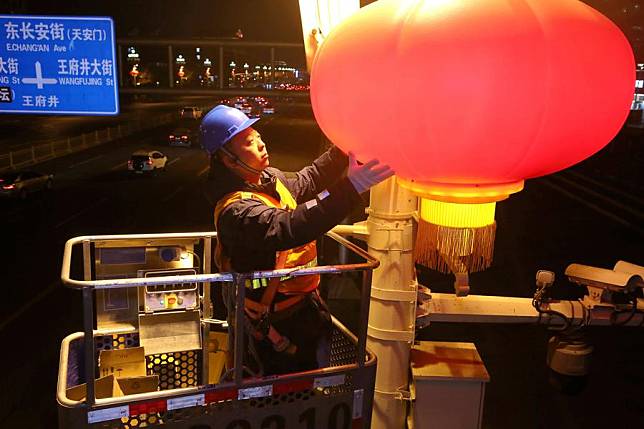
(460, 192)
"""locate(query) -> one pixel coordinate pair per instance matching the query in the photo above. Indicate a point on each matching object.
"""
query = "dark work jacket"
(252, 232)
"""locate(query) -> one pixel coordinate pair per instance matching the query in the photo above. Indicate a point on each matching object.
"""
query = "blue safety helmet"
(220, 125)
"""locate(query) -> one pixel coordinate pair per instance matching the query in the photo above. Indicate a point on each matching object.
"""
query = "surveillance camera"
(603, 278)
(545, 278)
(601, 282)
(627, 267)
(568, 360)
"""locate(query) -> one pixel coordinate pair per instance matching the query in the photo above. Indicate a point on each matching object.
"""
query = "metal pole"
(393, 299)
(170, 68)
(88, 325)
(272, 67)
(221, 67)
(239, 328)
(365, 292)
(207, 269)
(206, 307)
(119, 61)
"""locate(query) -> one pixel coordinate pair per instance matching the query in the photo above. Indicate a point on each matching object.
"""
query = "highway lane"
(539, 228)
(87, 190)
(21, 131)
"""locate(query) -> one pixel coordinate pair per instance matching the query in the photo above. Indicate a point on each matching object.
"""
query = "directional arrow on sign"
(39, 80)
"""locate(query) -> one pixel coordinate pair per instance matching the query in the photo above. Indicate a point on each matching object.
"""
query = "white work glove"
(364, 176)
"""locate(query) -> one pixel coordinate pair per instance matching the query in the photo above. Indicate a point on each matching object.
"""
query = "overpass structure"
(224, 49)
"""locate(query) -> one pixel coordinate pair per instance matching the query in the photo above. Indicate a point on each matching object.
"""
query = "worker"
(267, 219)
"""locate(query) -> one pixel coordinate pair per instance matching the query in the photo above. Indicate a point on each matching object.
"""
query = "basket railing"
(88, 286)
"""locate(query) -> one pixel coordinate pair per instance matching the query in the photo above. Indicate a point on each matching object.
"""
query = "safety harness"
(297, 258)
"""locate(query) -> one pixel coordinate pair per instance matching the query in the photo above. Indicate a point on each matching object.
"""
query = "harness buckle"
(262, 325)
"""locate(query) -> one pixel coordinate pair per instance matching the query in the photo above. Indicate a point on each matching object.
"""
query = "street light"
(132, 55)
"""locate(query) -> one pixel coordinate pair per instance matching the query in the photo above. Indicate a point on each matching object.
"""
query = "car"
(260, 106)
(238, 102)
(146, 161)
(252, 110)
(247, 108)
(19, 184)
(190, 112)
(268, 109)
(182, 137)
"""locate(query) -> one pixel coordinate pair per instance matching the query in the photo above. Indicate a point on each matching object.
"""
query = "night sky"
(260, 20)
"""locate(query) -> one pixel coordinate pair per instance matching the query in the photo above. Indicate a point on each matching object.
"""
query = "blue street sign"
(58, 65)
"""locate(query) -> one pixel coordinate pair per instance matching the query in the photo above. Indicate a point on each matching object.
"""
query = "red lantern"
(476, 92)
(467, 98)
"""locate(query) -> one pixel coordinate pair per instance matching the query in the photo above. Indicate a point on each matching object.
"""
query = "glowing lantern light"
(466, 99)
(318, 18)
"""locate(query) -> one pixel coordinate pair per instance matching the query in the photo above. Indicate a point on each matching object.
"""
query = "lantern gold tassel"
(437, 246)
(454, 236)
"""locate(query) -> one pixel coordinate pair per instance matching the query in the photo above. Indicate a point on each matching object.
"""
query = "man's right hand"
(364, 176)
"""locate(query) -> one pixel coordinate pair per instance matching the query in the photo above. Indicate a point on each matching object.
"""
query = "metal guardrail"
(45, 151)
(238, 279)
(303, 97)
(38, 153)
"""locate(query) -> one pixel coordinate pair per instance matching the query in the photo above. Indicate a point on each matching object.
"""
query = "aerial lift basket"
(153, 304)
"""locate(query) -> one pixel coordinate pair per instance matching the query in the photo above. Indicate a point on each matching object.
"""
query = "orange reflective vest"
(304, 256)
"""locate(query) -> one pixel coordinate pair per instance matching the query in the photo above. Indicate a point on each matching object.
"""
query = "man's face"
(250, 149)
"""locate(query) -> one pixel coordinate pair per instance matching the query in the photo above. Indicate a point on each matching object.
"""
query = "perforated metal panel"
(343, 350)
(292, 402)
(182, 369)
(116, 341)
(141, 421)
(175, 370)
